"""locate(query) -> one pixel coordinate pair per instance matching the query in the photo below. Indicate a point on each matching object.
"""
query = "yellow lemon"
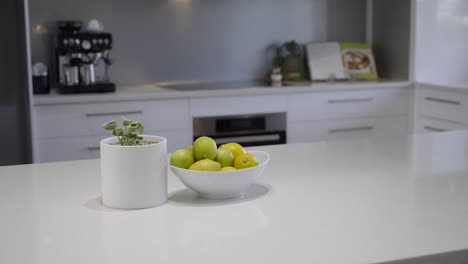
(228, 169)
(235, 148)
(206, 165)
(245, 161)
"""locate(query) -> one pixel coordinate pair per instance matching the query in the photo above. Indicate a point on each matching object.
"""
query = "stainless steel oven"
(247, 130)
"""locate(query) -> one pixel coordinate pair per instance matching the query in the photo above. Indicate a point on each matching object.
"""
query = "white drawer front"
(445, 105)
(309, 131)
(79, 148)
(429, 125)
(67, 148)
(322, 106)
(87, 119)
(239, 105)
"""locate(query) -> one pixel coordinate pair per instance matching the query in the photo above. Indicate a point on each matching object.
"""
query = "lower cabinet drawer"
(78, 120)
(430, 125)
(80, 148)
(66, 148)
(310, 131)
(443, 105)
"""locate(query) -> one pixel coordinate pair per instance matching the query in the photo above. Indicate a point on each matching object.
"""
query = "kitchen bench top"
(154, 92)
(460, 86)
(359, 201)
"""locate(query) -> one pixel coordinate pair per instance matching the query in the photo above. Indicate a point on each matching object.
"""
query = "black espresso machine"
(82, 60)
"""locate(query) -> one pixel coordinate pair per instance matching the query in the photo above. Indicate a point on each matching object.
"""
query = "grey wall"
(166, 40)
(391, 37)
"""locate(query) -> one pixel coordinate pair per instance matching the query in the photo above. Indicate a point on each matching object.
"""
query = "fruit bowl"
(222, 184)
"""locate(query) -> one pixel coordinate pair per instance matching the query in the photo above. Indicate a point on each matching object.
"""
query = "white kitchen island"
(360, 201)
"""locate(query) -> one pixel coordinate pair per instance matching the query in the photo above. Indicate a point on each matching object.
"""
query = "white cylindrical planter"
(134, 177)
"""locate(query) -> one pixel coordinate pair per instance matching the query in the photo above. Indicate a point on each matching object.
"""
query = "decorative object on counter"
(83, 58)
(345, 60)
(324, 61)
(290, 57)
(358, 61)
(40, 76)
(276, 77)
(133, 167)
(227, 184)
(217, 173)
(95, 26)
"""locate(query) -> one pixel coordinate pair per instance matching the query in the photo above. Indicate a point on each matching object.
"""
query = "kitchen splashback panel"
(167, 40)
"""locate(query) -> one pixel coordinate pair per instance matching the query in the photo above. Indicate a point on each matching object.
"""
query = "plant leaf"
(141, 128)
(126, 121)
(134, 126)
(110, 125)
(118, 132)
(132, 136)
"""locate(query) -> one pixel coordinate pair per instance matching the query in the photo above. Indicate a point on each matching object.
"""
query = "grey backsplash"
(168, 40)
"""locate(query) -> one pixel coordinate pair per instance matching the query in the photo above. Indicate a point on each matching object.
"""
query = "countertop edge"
(460, 87)
(165, 94)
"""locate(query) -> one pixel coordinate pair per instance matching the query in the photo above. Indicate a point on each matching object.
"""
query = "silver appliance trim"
(248, 129)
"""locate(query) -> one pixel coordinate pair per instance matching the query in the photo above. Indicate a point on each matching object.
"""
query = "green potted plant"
(133, 167)
(290, 57)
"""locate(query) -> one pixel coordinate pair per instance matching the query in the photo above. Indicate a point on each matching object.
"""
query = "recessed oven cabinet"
(247, 130)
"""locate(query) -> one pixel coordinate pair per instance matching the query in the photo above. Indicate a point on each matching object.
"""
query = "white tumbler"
(134, 177)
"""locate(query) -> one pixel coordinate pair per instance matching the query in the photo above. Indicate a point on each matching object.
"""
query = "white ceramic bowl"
(222, 184)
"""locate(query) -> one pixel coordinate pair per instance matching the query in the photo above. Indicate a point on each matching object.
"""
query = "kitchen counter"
(451, 86)
(360, 201)
(154, 92)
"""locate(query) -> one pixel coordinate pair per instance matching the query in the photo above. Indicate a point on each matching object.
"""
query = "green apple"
(224, 157)
(204, 148)
(206, 165)
(182, 158)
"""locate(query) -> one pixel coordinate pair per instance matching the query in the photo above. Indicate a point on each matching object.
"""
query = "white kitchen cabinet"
(308, 131)
(352, 104)
(69, 132)
(446, 105)
(73, 132)
(431, 125)
(348, 114)
(87, 147)
(439, 110)
(67, 148)
(87, 119)
(238, 105)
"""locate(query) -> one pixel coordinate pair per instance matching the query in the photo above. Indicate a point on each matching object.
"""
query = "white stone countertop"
(459, 86)
(361, 201)
(154, 92)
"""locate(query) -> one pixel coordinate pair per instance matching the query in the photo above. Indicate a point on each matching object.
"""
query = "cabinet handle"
(351, 129)
(434, 129)
(444, 101)
(115, 113)
(354, 100)
(94, 148)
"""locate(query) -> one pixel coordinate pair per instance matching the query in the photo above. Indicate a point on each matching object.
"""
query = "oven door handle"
(244, 139)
